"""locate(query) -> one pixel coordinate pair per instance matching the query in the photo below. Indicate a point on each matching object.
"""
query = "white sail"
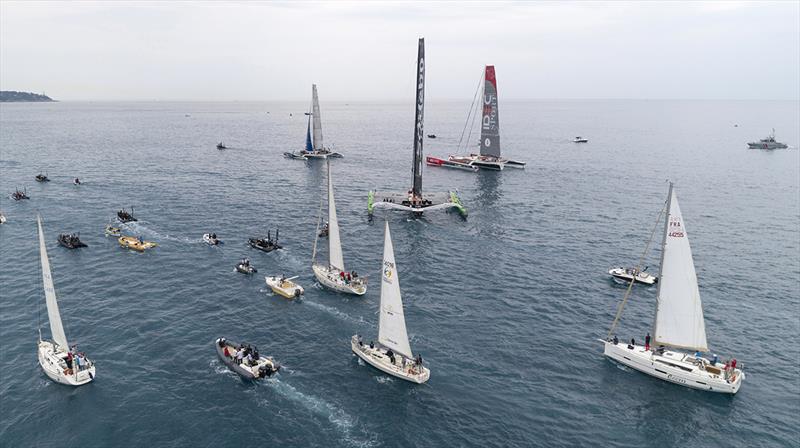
(317, 119)
(56, 328)
(679, 314)
(392, 324)
(334, 242)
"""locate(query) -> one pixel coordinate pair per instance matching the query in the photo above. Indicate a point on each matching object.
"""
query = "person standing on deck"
(647, 342)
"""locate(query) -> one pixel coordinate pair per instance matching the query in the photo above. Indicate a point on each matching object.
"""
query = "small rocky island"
(11, 96)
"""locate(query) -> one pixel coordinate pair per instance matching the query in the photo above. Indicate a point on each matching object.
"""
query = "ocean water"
(505, 306)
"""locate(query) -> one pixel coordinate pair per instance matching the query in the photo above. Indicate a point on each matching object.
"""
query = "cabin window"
(686, 369)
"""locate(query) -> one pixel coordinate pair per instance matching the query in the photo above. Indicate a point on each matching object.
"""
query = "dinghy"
(76, 181)
(266, 244)
(314, 148)
(679, 331)
(124, 216)
(42, 178)
(580, 139)
(211, 239)
(71, 240)
(113, 231)
(221, 145)
(392, 353)
(245, 267)
(628, 274)
(285, 286)
(137, 244)
(332, 274)
(413, 200)
(251, 365)
(489, 157)
(60, 362)
(18, 195)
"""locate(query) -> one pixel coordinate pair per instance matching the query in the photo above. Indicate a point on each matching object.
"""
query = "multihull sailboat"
(392, 353)
(59, 362)
(679, 324)
(333, 274)
(413, 200)
(489, 157)
(314, 148)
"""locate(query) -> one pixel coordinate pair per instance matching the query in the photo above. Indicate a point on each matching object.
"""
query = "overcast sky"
(366, 51)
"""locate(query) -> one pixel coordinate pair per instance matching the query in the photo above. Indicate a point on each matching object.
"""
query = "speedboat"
(628, 274)
(113, 231)
(579, 139)
(76, 181)
(285, 286)
(221, 145)
(19, 195)
(245, 267)
(211, 239)
(137, 244)
(124, 216)
(266, 244)
(42, 178)
(2, 218)
(70, 240)
(768, 143)
(251, 365)
(431, 135)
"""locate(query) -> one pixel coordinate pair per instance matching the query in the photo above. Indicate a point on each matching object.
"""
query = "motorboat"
(134, 243)
(61, 362)
(18, 195)
(431, 135)
(76, 181)
(579, 139)
(266, 244)
(331, 273)
(124, 216)
(679, 327)
(285, 286)
(211, 239)
(245, 267)
(71, 240)
(221, 145)
(628, 274)
(314, 148)
(768, 143)
(42, 178)
(113, 231)
(392, 352)
(250, 365)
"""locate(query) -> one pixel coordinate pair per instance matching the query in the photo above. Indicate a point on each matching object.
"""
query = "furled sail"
(419, 118)
(679, 313)
(334, 242)
(317, 118)
(392, 324)
(56, 328)
(490, 120)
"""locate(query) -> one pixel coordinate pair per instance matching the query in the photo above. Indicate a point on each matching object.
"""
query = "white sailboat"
(58, 360)
(392, 353)
(333, 275)
(314, 148)
(679, 324)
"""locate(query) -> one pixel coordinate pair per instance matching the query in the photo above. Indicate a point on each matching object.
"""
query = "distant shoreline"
(11, 96)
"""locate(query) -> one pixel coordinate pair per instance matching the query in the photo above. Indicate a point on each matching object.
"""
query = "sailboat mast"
(416, 188)
(661, 263)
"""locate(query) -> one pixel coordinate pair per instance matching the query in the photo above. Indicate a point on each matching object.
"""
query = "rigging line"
(633, 280)
(469, 113)
(316, 235)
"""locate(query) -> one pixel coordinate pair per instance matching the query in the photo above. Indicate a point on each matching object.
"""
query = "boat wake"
(140, 229)
(333, 312)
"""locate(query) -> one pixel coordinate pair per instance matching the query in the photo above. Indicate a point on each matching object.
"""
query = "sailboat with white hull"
(392, 353)
(58, 360)
(314, 148)
(413, 200)
(679, 324)
(489, 157)
(333, 274)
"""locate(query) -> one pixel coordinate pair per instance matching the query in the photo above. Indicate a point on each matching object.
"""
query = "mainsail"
(392, 324)
(56, 328)
(334, 242)
(490, 119)
(679, 313)
(420, 112)
(317, 118)
(309, 146)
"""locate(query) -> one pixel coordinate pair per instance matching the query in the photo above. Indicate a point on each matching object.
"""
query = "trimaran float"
(333, 274)
(679, 324)
(413, 200)
(314, 148)
(489, 157)
(59, 361)
(392, 353)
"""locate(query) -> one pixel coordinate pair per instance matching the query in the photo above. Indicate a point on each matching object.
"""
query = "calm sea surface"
(505, 306)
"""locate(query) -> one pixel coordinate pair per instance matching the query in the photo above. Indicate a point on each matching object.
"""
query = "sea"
(506, 306)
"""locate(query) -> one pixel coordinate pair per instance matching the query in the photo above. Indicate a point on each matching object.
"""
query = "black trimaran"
(413, 200)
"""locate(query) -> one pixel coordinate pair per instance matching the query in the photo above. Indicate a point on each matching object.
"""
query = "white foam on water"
(332, 311)
(142, 229)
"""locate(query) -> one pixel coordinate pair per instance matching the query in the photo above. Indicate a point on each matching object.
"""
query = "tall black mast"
(418, 133)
